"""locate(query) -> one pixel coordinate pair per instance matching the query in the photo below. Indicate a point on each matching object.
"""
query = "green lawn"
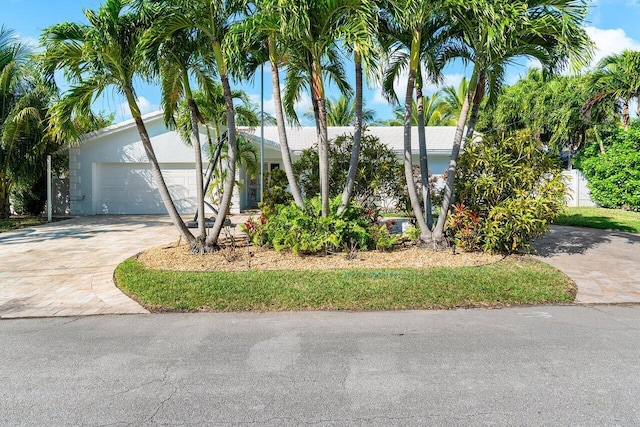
(519, 281)
(15, 223)
(606, 219)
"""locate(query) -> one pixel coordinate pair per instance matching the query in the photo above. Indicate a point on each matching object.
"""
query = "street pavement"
(551, 365)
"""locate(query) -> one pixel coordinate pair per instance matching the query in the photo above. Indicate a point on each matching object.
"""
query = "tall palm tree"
(262, 34)
(616, 79)
(13, 57)
(105, 53)
(495, 33)
(313, 53)
(176, 57)
(415, 32)
(210, 21)
(359, 37)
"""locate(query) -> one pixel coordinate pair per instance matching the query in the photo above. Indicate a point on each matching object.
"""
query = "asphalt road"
(572, 365)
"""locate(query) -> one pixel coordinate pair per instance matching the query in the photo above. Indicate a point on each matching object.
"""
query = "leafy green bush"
(275, 192)
(379, 177)
(306, 231)
(509, 190)
(614, 176)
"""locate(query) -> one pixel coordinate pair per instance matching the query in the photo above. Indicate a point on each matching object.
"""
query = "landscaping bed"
(254, 279)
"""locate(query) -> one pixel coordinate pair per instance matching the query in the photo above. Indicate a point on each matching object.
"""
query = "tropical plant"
(437, 112)
(342, 112)
(377, 181)
(210, 22)
(105, 53)
(616, 80)
(494, 34)
(550, 107)
(614, 175)
(415, 32)
(315, 27)
(15, 111)
(509, 190)
(176, 56)
(261, 37)
(305, 231)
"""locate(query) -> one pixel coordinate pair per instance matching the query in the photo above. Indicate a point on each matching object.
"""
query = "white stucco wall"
(579, 194)
(121, 144)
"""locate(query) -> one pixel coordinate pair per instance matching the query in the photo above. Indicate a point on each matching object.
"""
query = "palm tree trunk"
(229, 182)
(475, 110)
(5, 186)
(451, 170)
(425, 232)
(195, 142)
(282, 131)
(323, 139)
(625, 114)
(599, 139)
(357, 137)
(424, 162)
(156, 172)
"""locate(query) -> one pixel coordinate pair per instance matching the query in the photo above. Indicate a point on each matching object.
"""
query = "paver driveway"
(604, 264)
(66, 268)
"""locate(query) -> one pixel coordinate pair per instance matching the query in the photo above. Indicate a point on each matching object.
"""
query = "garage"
(126, 188)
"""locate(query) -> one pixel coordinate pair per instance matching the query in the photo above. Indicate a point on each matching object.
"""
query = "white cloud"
(269, 104)
(609, 42)
(144, 104)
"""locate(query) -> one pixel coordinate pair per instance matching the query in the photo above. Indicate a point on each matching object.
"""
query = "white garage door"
(130, 188)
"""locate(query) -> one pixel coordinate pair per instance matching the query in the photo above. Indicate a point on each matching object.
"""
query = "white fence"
(579, 194)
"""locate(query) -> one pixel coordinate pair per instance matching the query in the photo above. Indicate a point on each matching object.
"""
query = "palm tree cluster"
(199, 42)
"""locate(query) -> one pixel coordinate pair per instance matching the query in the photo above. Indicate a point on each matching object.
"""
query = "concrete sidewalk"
(604, 264)
(66, 268)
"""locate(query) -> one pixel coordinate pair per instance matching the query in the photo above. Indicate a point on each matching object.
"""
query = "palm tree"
(342, 112)
(437, 112)
(454, 98)
(358, 36)
(263, 30)
(616, 79)
(492, 35)
(25, 97)
(13, 57)
(312, 48)
(176, 57)
(415, 32)
(209, 21)
(105, 53)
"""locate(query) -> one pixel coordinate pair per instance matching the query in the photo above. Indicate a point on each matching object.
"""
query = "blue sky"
(612, 24)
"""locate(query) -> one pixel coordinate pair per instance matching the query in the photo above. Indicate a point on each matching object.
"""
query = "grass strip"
(605, 219)
(16, 223)
(511, 282)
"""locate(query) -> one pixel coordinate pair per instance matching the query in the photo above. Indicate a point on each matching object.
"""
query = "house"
(109, 171)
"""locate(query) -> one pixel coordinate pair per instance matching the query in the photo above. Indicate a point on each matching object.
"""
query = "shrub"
(275, 192)
(614, 176)
(509, 190)
(306, 231)
(379, 177)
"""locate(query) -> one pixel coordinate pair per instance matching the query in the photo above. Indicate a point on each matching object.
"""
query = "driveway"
(604, 264)
(66, 268)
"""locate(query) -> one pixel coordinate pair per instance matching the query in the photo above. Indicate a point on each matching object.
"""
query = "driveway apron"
(604, 264)
(66, 268)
